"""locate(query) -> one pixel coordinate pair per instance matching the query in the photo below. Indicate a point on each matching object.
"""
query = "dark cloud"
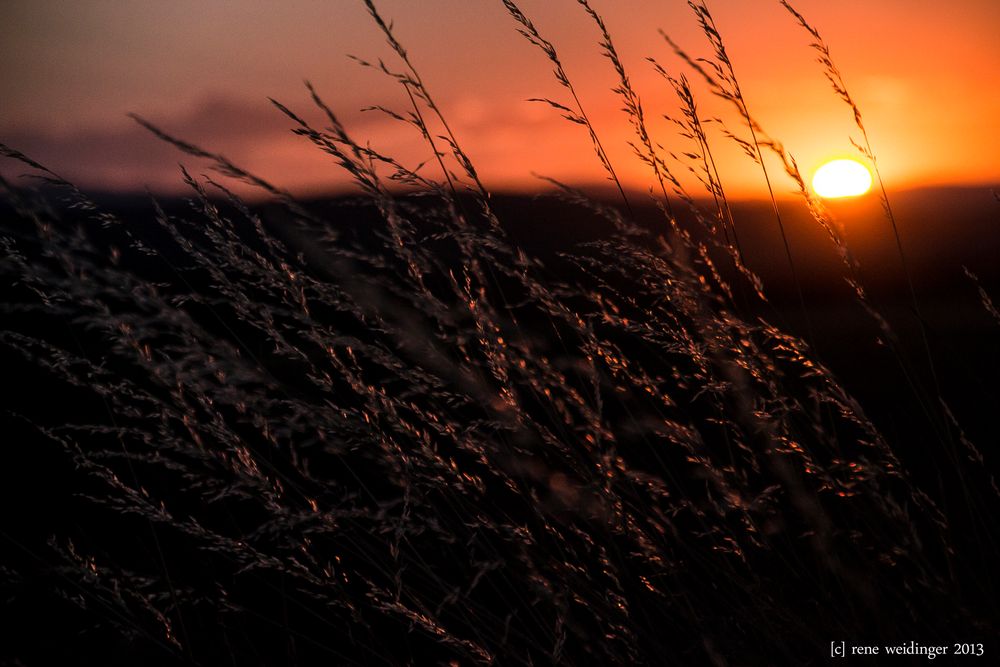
(127, 156)
(256, 135)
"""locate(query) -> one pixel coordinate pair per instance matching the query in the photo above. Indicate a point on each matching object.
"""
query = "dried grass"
(418, 444)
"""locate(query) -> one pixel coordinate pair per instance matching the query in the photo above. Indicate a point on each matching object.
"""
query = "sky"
(922, 71)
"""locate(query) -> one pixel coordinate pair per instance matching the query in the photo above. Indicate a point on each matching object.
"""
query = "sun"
(842, 178)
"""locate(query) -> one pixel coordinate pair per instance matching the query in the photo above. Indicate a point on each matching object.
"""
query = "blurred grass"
(394, 433)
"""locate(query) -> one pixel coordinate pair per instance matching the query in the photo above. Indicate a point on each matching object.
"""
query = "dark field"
(290, 452)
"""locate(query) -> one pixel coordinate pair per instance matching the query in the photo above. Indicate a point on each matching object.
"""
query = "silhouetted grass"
(395, 436)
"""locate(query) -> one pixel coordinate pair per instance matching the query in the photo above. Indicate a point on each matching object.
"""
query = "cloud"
(125, 156)
(509, 141)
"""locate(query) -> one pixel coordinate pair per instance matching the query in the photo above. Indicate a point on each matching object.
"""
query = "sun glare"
(842, 178)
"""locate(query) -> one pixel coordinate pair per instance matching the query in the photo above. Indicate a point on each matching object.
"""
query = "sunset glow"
(931, 119)
(842, 178)
(499, 332)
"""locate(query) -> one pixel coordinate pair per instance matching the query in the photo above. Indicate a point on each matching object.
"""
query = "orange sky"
(923, 72)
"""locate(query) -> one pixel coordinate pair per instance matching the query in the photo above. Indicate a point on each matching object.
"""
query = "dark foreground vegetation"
(410, 429)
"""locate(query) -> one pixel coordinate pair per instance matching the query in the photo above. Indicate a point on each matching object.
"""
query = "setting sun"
(842, 178)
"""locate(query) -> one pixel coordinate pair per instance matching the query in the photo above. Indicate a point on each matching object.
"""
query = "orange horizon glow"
(920, 76)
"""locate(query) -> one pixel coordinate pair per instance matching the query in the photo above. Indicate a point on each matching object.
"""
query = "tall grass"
(289, 435)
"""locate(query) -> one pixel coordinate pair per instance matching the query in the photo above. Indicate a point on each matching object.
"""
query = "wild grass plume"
(386, 432)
